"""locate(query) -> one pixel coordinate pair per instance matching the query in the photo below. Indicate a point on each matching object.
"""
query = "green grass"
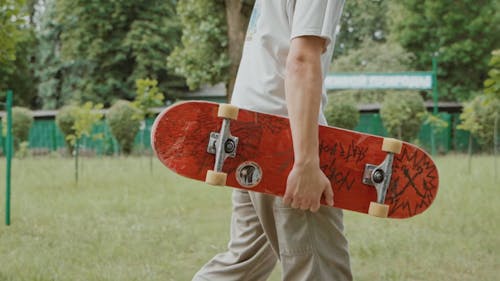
(126, 222)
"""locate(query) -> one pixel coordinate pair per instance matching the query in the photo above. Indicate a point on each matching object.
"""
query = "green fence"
(447, 139)
(45, 136)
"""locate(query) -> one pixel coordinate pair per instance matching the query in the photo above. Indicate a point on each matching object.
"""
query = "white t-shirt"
(260, 84)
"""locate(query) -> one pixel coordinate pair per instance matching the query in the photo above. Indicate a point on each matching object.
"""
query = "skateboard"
(227, 146)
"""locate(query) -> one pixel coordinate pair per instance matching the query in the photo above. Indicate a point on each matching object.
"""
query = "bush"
(492, 84)
(402, 114)
(124, 124)
(478, 118)
(22, 120)
(65, 120)
(342, 113)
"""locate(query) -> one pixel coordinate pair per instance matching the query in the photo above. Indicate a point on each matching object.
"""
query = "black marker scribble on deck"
(419, 167)
(339, 178)
(326, 148)
(351, 152)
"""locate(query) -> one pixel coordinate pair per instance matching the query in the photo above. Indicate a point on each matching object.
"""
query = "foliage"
(22, 119)
(85, 116)
(374, 57)
(342, 113)
(478, 117)
(202, 58)
(21, 78)
(65, 120)
(492, 84)
(23, 150)
(462, 33)
(147, 96)
(124, 124)
(57, 79)
(435, 121)
(17, 51)
(402, 114)
(9, 21)
(361, 21)
(106, 46)
(371, 57)
(76, 122)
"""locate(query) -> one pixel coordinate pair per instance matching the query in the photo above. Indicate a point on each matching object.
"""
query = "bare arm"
(303, 86)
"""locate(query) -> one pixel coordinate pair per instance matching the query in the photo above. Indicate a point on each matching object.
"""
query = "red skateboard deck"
(264, 157)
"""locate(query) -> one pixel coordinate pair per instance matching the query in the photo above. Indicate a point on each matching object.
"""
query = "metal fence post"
(435, 98)
(9, 148)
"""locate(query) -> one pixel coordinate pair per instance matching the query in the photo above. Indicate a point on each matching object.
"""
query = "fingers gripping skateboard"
(380, 177)
(222, 144)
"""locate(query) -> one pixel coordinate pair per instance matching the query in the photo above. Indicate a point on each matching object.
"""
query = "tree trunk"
(470, 153)
(495, 145)
(238, 14)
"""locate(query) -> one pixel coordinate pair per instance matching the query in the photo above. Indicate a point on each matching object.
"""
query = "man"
(287, 52)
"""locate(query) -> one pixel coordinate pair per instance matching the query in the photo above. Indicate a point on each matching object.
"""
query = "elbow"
(298, 62)
(304, 54)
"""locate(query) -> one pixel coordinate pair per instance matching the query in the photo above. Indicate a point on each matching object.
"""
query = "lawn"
(126, 221)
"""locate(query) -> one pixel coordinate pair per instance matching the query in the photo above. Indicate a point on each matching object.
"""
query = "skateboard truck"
(222, 144)
(379, 176)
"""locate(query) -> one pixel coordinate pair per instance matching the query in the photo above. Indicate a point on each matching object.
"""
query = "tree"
(22, 120)
(402, 114)
(17, 51)
(84, 118)
(371, 57)
(147, 96)
(65, 120)
(106, 46)
(478, 117)
(343, 113)
(212, 41)
(492, 84)
(462, 33)
(57, 78)
(361, 21)
(9, 20)
(124, 122)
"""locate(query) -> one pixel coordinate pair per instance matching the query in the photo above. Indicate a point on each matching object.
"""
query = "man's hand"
(306, 185)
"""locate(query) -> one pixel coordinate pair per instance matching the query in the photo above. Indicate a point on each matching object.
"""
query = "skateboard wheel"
(378, 210)
(215, 178)
(228, 111)
(392, 145)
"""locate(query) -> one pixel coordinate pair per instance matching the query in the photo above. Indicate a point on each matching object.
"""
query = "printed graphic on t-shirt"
(254, 18)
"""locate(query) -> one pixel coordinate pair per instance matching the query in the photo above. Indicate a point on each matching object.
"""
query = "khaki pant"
(310, 246)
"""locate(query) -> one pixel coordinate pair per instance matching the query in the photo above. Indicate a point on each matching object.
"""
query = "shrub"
(124, 124)
(478, 117)
(342, 113)
(65, 120)
(402, 114)
(148, 95)
(492, 84)
(22, 120)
